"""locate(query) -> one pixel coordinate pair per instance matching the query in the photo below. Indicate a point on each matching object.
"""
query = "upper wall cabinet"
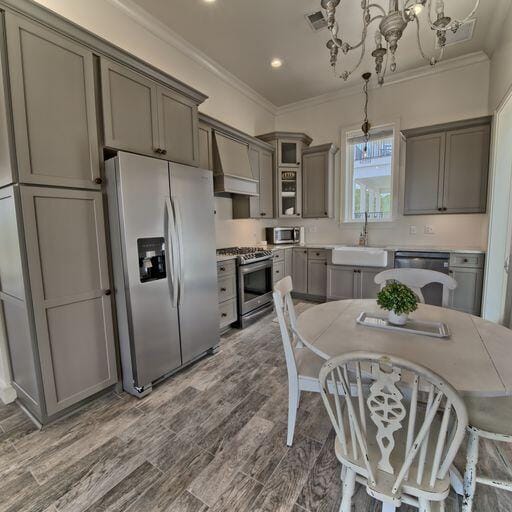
(318, 181)
(447, 168)
(141, 116)
(53, 105)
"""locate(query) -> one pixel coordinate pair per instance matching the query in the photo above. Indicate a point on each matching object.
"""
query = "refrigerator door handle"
(171, 249)
(176, 204)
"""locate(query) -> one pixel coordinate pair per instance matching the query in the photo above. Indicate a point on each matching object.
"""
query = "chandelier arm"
(431, 60)
(377, 6)
(452, 22)
(346, 73)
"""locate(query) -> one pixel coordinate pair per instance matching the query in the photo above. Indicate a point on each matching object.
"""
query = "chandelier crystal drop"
(391, 26)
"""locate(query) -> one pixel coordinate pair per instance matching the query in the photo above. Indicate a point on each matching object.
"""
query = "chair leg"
(349, 484)
(470, 472)
(293, 405)
(424, 505)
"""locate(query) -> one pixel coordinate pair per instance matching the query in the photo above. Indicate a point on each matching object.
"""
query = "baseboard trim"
(7, 393)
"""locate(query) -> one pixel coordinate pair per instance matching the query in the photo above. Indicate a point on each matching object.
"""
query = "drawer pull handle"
(465, 260)
(223, 315)
(222, 269)
(318, 254)
(277, 271)
(98, 181)
(223, 289)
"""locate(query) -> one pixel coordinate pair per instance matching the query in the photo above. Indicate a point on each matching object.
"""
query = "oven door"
(254, 285)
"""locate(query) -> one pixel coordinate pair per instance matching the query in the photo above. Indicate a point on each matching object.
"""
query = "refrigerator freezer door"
(192, 198)
(142, 193)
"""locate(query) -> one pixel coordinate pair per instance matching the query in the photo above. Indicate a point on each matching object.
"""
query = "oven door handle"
(252, 267)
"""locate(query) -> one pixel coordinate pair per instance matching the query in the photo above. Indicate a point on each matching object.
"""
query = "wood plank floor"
(210, 439)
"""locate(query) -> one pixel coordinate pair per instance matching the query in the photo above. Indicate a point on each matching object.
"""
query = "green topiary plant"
(398, 298)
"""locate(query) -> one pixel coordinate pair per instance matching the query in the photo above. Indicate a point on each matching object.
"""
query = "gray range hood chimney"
(232, 172)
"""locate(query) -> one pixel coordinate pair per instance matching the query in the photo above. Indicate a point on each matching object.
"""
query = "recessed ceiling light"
(276, 63)
(209, 1)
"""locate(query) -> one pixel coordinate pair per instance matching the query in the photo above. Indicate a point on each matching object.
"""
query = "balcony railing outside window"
(376, 149)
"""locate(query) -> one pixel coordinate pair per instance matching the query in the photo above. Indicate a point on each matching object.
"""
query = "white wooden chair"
(416, 279)
(302, 364)
(489, 418)
(382, 439)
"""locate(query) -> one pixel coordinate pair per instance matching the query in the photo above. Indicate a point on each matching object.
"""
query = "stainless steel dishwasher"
(438, 261)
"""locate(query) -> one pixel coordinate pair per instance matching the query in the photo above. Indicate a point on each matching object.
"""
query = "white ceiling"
(244, 35)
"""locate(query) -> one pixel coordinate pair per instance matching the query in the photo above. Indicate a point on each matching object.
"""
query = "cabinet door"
(341, 283)
(368, 287)
(300, 270)
(289, 153)
(67, 260)
(467, 296)
(266, 198)
(317, 277)
(130, 117)
(178, 127)
(53, 105)
(315, 185)
(255, 201)
(466, 170)
(424, 168)
(205, 147)
(288, 262)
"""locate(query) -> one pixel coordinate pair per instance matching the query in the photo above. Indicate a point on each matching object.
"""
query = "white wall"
(501, 64)
(441, 97)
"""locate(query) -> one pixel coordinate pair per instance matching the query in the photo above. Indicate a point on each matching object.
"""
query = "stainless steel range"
(254, 279)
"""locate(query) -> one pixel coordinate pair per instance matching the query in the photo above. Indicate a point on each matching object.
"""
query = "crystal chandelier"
(392, 25)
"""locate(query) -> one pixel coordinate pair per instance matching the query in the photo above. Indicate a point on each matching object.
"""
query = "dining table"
(475, 357)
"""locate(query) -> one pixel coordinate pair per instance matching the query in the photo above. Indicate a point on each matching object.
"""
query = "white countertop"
(465, 250)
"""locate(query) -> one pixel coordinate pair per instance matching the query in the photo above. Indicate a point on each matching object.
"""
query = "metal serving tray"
(434, 329)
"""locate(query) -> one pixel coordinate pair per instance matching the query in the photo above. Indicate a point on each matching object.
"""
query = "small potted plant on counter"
(399, 301)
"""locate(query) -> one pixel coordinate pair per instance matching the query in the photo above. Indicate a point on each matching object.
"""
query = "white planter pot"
(395, 319)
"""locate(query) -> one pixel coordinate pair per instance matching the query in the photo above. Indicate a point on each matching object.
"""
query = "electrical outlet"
(429, 229)
(413, 230)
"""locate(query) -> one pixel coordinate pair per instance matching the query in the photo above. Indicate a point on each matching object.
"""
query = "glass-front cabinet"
(288, 171)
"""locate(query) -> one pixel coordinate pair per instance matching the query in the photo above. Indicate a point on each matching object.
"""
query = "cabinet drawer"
(227, 287)
(227, 313)
(317, 254)
(225, 268)
(466, 260)
(278, 271)
(278, 256)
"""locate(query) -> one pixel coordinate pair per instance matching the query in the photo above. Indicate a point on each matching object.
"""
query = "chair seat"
(308, 363)
(385, 481)
(493, 415)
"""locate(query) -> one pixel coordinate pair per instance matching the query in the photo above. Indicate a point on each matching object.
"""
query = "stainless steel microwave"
(283, 235)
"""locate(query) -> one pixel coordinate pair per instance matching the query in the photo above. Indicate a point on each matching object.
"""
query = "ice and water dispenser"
(151, 259)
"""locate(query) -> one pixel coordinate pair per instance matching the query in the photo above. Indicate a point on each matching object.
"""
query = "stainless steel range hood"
(231, 166)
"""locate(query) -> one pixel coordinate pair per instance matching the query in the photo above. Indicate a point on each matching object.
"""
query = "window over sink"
(369, 175)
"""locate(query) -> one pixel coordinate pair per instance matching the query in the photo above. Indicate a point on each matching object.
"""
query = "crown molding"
(405, 76)
(169, 36)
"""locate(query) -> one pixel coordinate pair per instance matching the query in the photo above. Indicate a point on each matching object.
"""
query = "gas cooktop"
(246, 255)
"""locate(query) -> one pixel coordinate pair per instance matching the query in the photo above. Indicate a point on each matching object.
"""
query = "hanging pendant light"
(366, 126)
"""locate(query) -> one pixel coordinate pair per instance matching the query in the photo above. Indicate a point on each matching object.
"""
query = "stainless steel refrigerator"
(164, 264)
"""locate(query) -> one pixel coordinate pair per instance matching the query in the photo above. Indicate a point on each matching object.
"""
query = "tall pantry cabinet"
(54, 282)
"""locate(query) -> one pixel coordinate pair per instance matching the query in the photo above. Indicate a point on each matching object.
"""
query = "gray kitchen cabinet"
(300, 270)
(205, 147)
(365, 284)
(226, 279)
(317, 277)
(341, 283)
(318, 181)
(466, 170)
(141, 116)
(130, 119)
(177, 118)
(447, 168)
(278, 271)
(467, 296)
(288, 261)
(266, 197)
(7, 159)
(423, 179)
(70, 290)
(53, 106)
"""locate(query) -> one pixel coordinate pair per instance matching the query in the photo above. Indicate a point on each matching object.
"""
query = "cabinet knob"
(222, 269)
(325, 213)
(98, 181)
(465, 260)
(263, 214)
(444, 209)
(108, 292)
(277, 271)
(163, 151)
(157, 150)
(223, 315)
(440, 209)
(318, 254)
(223, 289)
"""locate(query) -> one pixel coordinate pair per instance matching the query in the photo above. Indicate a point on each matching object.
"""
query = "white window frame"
(345, 210)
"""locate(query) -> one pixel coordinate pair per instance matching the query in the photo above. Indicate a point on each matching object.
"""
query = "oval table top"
(476, 359)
